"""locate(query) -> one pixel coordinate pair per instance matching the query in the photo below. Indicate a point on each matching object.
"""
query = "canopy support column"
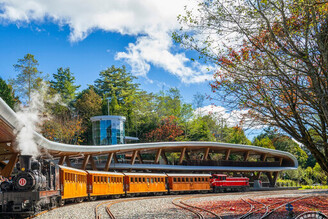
(207, 151)
(109, 160)
(227, 155)
(158, 153)
(183, 151)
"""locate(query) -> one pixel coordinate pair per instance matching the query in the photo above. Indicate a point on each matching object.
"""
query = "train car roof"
(185, 174)
(70, 168)
(104, 172)
(144, 174)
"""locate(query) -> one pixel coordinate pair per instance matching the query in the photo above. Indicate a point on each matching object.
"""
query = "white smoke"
(31, 117)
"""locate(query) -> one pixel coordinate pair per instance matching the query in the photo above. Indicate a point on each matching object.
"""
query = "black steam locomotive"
(33, 188)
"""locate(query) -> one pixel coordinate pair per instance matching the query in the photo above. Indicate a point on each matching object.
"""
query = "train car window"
(132, 179)
(108, 179)
(191, 179)
(179, 179)
(174, 179)
(187, 179)
(139, 180)
(147, 180)
(155, 180)
(151, 180)
(143, 180)
(183, 179)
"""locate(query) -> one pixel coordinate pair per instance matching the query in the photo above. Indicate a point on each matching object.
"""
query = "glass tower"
(108, 130)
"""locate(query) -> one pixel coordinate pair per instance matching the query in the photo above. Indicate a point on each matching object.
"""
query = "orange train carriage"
(101, 184)
(188, 182)
(73, 184)
(137, 183)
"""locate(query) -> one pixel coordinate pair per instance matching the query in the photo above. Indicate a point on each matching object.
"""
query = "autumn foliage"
(168, 130)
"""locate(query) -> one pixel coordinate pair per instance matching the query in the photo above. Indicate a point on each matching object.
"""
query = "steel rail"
(199, 215)
(202, 209)
(280, 206)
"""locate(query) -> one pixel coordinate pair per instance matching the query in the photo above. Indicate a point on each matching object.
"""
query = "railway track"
(194, 209)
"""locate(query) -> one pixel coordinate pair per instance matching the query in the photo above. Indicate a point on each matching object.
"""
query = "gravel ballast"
(159, 206)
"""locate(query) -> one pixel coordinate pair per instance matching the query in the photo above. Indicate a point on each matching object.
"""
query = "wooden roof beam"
(6, 172)
(183, 151)
(246, 155)
(133, 158)
(139, 157)
(227, 155)
(109, 160)
(85, 162)
(158, 153)
(93, 164)
(207, 151)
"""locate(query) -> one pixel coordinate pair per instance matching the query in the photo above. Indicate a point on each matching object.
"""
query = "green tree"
(6, 93)
(29, 77)
(263, 142)
(284, 143)
(144, 115)
(63, 83)
(118, 83)
(88, 104)
(169, 103)
(237, 136)
(199, 130)
(276, 66)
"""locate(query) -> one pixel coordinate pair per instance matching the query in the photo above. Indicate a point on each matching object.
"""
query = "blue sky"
(89, 36)
(87, 46)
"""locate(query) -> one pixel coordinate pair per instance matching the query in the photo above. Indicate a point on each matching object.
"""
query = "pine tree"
(29, 76)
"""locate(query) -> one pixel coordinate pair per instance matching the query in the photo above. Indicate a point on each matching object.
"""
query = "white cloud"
(152, 21)
(232, 118)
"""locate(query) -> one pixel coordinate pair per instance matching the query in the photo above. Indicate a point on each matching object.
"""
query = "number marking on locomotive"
(22, 182)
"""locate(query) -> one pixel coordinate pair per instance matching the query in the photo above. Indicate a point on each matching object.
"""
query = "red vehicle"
(222, 183)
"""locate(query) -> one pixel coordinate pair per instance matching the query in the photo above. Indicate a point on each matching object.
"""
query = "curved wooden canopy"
(272, 160)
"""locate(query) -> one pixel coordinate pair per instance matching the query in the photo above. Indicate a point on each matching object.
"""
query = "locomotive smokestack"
(25, 162)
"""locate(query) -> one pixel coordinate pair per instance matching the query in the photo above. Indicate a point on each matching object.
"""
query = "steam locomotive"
(35, 186)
